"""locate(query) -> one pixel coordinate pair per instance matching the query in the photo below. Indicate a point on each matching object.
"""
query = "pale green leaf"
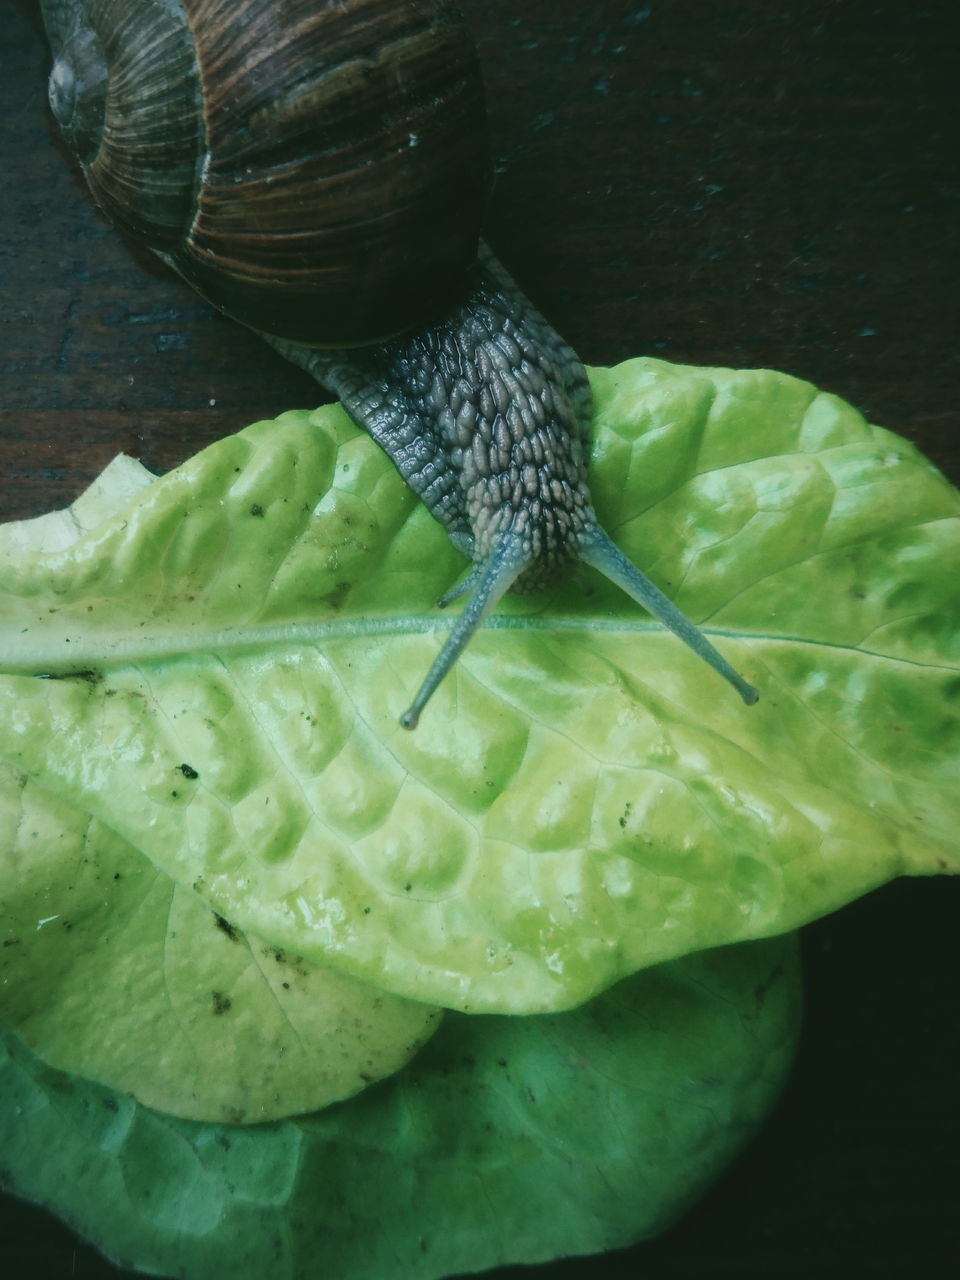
(110, 970)
(583, 797)
(505, 1140)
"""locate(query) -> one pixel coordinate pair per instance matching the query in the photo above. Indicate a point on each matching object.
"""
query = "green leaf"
(505, 1140)
(583, 797)
(110, 970)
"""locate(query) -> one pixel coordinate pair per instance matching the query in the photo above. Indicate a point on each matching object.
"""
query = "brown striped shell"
(315, 168)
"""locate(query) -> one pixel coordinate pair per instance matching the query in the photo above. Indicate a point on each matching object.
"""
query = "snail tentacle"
(600, 551)
(463, 588)
(493, 580)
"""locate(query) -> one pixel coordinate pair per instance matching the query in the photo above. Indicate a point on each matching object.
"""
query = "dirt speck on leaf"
(226, 927)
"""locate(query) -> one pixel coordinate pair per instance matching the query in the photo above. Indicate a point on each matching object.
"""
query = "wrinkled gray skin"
(486, 415)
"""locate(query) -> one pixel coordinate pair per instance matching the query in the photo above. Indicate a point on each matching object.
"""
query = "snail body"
(317, 170)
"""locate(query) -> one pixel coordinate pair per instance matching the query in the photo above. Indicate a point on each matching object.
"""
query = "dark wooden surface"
(759, 183)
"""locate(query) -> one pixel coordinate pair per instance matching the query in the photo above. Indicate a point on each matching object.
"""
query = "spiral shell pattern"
(317, 170)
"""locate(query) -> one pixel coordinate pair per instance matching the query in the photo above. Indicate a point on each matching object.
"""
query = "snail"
(317, 170)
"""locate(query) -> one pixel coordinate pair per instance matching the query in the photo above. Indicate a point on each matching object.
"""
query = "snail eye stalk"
(601, 552)
(489, 582)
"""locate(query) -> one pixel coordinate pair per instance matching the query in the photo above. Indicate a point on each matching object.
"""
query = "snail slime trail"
(239, 140)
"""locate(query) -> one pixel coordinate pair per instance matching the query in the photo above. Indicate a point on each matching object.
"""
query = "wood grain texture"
(766, 183)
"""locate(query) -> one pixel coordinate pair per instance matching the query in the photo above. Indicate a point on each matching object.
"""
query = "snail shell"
(316, 169)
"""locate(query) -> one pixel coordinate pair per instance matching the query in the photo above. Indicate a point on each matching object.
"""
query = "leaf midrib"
(63, 651)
